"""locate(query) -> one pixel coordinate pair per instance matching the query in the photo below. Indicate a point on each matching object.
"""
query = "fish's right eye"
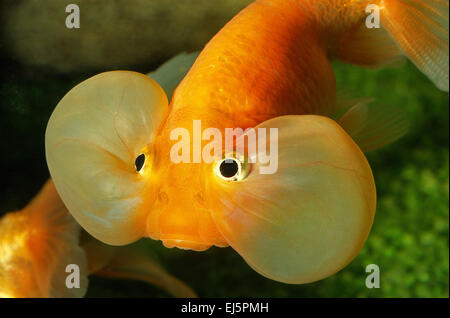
(139, 163)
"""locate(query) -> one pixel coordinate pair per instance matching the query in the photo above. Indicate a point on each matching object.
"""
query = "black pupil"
(229, 168)
(139, 163)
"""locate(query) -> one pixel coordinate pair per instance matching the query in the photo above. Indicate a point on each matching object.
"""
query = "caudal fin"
(421, 30)
(415, 28)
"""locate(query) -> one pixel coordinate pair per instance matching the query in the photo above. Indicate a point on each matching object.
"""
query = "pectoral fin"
(373, 126)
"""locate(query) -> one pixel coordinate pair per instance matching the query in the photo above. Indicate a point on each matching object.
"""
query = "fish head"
(109, 151)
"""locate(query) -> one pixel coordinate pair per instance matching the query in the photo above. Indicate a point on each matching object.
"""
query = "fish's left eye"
(232, 167)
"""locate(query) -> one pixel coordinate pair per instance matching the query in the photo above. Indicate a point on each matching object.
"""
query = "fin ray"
(170, 74)
(421, 30)
(373, 126)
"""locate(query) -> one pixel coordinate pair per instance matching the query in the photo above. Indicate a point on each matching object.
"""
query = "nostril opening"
(163, 198)
(199, 197)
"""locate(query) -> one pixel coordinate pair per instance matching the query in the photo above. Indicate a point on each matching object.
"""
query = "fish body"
(268, 68)
(274, 58)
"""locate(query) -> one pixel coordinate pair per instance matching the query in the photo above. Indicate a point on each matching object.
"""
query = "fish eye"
(232, 167)
(139, 163)
(229, 168)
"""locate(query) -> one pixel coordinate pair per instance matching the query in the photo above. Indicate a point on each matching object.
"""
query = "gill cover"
(311, 217)
(92, 140)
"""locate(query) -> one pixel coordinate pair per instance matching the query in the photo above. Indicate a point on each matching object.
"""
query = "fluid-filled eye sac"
(94, 146)
(310, 218)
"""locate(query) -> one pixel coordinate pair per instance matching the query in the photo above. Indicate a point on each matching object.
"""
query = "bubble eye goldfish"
(38, 242)
(109, 145)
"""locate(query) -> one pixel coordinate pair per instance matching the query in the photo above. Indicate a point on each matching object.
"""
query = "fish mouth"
(185, 243)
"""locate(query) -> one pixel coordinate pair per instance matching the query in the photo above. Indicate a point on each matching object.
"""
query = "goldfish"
(110, 140)
(38, 243)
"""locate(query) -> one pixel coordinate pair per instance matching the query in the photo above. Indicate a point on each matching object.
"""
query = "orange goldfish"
(38, 243)
(110, 141)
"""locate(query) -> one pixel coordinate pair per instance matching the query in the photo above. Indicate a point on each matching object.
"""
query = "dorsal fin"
(170, 74)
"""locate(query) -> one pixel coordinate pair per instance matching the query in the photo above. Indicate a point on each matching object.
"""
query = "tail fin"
(419, 29)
